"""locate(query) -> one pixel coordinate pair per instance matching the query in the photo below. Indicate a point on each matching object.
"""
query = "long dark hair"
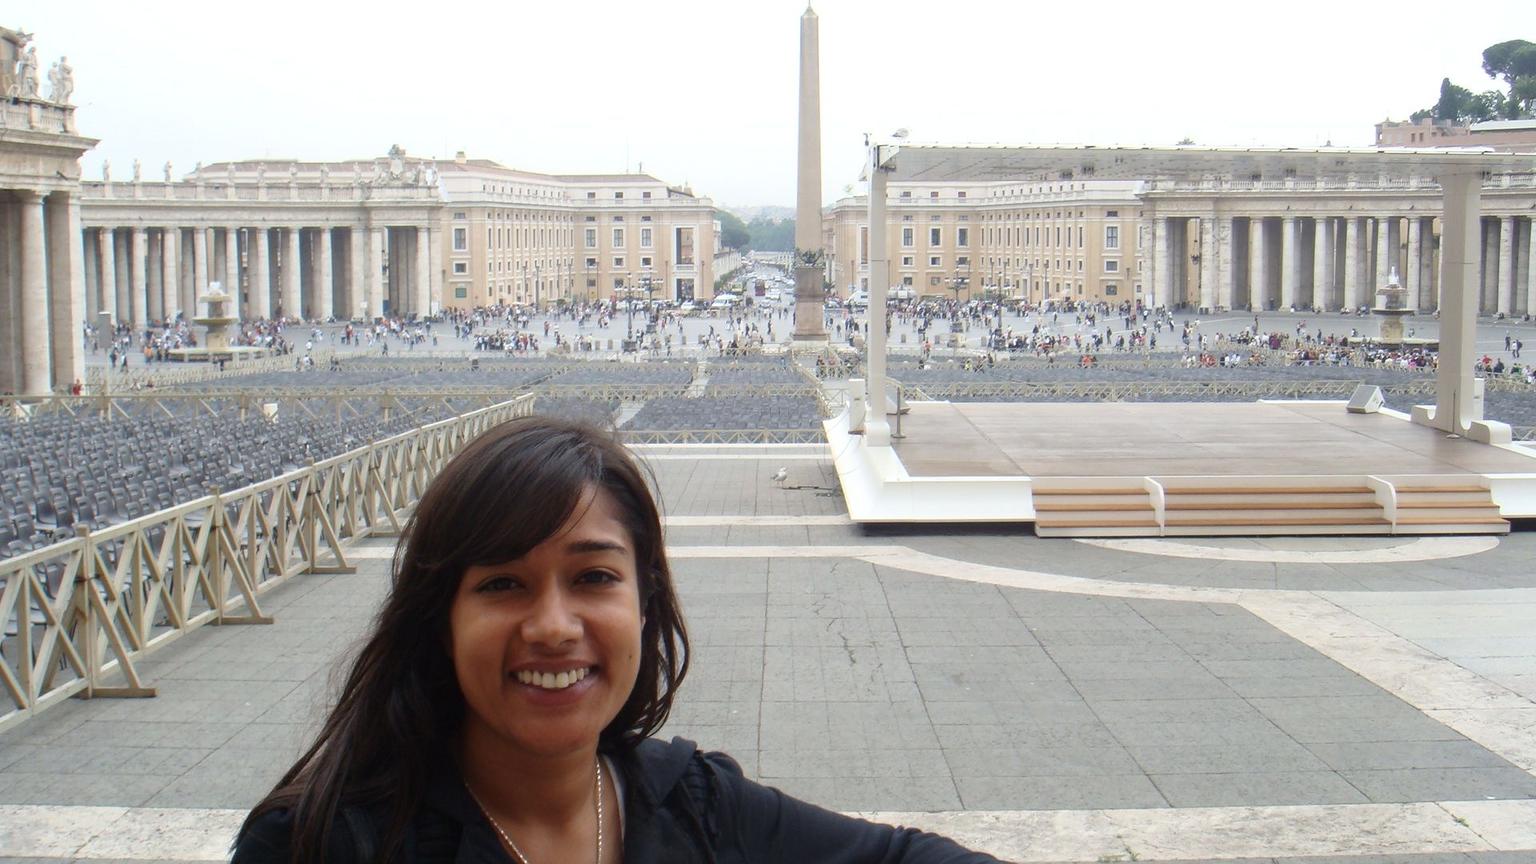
(401, 708)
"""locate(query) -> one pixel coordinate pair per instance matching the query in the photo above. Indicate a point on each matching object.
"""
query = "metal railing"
(77, 616)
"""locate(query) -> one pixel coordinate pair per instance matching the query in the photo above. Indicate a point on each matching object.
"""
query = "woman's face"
(546, 648)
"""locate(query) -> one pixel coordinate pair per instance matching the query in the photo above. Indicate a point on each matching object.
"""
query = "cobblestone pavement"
(1360, 700)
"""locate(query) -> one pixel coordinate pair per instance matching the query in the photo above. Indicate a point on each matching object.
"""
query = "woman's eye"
(596, 577)
(499, 583)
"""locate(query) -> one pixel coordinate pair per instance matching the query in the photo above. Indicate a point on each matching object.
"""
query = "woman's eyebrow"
(587, 546)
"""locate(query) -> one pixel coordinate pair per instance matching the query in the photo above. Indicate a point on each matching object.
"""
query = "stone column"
(808, 275)
(422, 284)
(137, 292)
(1322, 261)
(154, 275)
(107, 269)
(1290, 261)
(1162, 261)
(1225, 278)
(170, 255)
(290, 296)
(1530, 267)
(36, 350)
(1413, 280)
(357, 257)
(232, 272)
(1352, 263)
(375, 279)
(435, 274)
(1208, 263)
(200, 266)
(324, 284)
(1506, 265)
(66, 300)
(261, 281)
(122, 253)
(1258, 267)
(92, 278)
(1383, 257)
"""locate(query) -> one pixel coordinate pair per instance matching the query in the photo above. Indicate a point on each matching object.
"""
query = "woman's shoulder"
(268, 837)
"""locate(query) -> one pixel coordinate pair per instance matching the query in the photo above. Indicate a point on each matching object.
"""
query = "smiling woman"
(503, 707)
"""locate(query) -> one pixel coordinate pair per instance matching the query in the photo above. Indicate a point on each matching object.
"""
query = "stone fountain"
(216, 322)
(1392, 307)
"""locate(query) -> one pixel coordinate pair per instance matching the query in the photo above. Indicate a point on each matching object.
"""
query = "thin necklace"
(513, 846)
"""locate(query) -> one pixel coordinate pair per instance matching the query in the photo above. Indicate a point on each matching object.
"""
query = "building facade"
(1217, 243)
(41, 284)
(390, 236)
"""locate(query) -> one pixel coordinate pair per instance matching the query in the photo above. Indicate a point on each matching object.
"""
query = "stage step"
(1192, 509)
(1094, 511)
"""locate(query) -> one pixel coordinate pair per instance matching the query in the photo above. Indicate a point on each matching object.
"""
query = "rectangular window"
(618, 262)
(645, 261)
(906, 281)
(963, 261)
(933, 280)
(460, 239)
(863, 244)
(961, 194)
(645, 194)
(460, 291)
(460, 214)
(935, 261)
(1079, 236)
(682, 252)
(932, 195)
(906, 237)
(935, 236)
(618, 237)
(1111, 214)
(591, 196)
(1111, 266)
(962, 237)
(592, 262)
(1111, 289)
(906, 260)
(591, 238)
(1111, 236)
(618, 196)
(460, 268)
(645, 238)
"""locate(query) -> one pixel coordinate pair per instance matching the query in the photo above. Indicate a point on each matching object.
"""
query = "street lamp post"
(629, 311)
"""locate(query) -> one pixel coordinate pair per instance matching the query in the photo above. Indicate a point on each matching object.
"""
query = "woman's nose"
(552, 620)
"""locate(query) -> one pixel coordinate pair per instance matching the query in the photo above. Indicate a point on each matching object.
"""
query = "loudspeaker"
(1365, 400)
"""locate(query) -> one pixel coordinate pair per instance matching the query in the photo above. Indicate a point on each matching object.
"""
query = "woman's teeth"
(553, 680)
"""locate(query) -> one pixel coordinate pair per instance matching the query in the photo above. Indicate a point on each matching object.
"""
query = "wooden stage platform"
(1184, 468)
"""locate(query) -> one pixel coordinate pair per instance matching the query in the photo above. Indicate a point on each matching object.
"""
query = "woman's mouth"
(553, 680)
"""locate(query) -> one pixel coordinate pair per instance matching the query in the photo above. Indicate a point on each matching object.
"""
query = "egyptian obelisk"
(809, 254)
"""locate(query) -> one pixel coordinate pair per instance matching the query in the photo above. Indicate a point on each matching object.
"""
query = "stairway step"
(1451, 520)
(1284, 520)
(1101, 523)
(1448, 505)
(1267, 490)
(1411, 490)
(1053, 507)
(1273, 505)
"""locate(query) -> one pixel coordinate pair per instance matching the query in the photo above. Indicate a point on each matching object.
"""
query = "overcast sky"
(703, 91)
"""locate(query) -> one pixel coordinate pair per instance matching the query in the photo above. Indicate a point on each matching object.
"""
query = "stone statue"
(26, 74)
(13, 44)
(432, 174)
(396, 151)
(293, 172)
(325, 174)
(230, 170)
(62, 79)
(198, 168)
(357, 173)
(138, 172)
(261, 172)
(167, 170)
(106, 171)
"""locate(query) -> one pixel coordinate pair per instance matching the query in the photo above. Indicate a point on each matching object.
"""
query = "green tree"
(1511, 61)
(733, 232)
(772, 235)
(1453, 103)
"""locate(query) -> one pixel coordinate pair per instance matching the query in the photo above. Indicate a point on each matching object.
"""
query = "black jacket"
(681, 806)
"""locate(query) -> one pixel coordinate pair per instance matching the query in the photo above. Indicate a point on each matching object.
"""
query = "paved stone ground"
(1050, 700)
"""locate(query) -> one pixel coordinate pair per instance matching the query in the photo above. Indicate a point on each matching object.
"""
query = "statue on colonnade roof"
(62, 80)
